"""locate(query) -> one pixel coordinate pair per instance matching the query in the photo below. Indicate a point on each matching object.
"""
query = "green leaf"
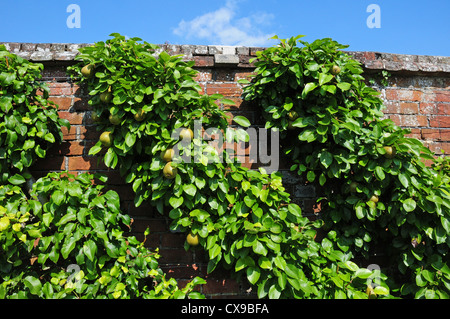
(214, 251)
(242, 121)
(264, 263)
(379, 173)
(324, 78)
(58, 197)
(308, 136)
(259, 248)
(90, 249)
(69, 216)
(403, 179)
(409, 205)
(311, 176)
(351, 265)
(68, 246)
(363, 273)
(308, 88)
(344, 86)
(274, 292)
(228, 101)
(253, 275)
(33, 284)
(190, 189)
(176, 202)
(322, 179)
(17, 179)
(380, 290)
(326, 159)
(200, 214)
(295, 210)
(243, 262)
(200, 182)
(130, 139)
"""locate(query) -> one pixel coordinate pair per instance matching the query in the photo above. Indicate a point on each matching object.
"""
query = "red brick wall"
(417, 97)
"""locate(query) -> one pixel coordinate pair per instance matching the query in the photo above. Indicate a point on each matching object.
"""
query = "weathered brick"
(203, 61)
(203, 76)
(443, 109)
(391, 94)
(409, 120)
(409, 108)
(60, 88)
(64, 103)
(409, 95)
(392, 107)
(415, 133)
(76, 148)
(427, 108)
(226, 89)
(431, 134)
(442, 96)
(429, 97)
(440, 121)
(89, 133)
(226, 59)
(69, 134)
(74, 118)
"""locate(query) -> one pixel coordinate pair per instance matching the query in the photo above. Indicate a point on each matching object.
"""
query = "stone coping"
(231, 56)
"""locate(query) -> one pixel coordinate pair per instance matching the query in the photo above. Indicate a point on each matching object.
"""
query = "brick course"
(417, 97)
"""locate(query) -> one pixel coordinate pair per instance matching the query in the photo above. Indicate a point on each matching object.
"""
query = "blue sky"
(406, 26)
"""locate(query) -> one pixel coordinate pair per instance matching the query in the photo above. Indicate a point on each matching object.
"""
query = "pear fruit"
(390, 151)
(192, 239)
(87, 70)
(335, 70)
(169, 172)
(186, 134)
(167, 155)
(95, 117)
(106, 96)
(106, 139)
(114, 119)
(140, 115)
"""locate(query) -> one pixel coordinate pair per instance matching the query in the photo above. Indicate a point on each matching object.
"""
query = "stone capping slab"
(239, 56)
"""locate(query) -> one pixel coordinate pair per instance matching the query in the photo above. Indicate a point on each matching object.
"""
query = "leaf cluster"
(75, 245)
(376, 193)
(66, 237)
(29, 122)
(244, 218)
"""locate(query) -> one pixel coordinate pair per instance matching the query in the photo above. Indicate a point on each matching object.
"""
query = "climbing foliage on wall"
(145, 103)
(62, 236)
(377, 195)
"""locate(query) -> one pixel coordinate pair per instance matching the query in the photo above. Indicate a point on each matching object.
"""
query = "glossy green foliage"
(376, 193)
(244, 218)
(29, 122)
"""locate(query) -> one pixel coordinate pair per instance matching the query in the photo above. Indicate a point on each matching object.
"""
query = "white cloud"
(222, 27)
